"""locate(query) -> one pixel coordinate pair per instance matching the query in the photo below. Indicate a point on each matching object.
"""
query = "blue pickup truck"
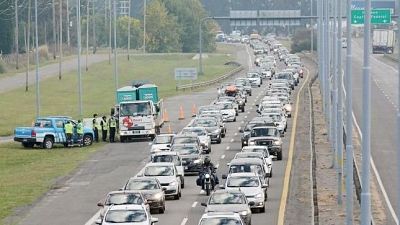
(47, 131)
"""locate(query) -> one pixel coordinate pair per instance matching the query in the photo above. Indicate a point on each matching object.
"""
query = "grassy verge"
(61, 97)
(27, 174)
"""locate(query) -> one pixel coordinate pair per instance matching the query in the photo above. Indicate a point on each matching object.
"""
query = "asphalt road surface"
(383, 125)
(74, 201)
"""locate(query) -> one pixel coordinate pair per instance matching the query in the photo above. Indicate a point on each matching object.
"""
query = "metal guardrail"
(207, 83)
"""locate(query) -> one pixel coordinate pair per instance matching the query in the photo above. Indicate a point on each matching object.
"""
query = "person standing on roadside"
(96, 128)
(79, 131)
(104, 128)
(112, 122)
(69, 130)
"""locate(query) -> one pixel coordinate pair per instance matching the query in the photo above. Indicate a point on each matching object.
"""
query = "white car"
(280, 120)
(255, 79)
(161, 142)
(228, 111)
(167, 174)
(128, 215)
(202, 133)
(251, 185)
(219, 218)
(172, 157)
(267, 160)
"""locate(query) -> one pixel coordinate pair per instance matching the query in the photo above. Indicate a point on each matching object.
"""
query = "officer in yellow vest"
(96, 128)
(69, 130)
(104, 128)
(112, 122)
(79, 131)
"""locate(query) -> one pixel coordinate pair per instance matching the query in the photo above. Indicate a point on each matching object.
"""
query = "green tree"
(136, 32)
(6, 27)
(162, 29)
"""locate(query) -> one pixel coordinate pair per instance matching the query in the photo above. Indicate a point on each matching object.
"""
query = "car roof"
(233, 191)
(160, 164)
(243, 174)
(165, 153)
(246, 161)
(185, 135)
(124, 192)
(126, 207)
(221, 214)
(254, 147)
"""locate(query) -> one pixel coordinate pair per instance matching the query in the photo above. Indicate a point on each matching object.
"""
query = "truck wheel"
(87, 140)
(243, 109)
(48, 143)
(279, 156)
(28, 145)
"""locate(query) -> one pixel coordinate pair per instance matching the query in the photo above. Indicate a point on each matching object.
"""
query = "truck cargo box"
(127, 93)
(148, 92)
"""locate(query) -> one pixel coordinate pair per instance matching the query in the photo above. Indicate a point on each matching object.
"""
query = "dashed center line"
(223, 156)
(184, 221)
(232, 140)
(194, 204)
(237, 133)
(227, 148)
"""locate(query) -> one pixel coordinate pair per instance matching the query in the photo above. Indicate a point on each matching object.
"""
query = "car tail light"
(33, 133)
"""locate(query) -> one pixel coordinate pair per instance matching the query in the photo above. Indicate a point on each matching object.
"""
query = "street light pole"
(60, 42)
(201, 44)
(366, 119)
(340, 102)
(144, 25)
(312, 27)
(129, 27)
(37, 61)
(78, 31)
(115, 50)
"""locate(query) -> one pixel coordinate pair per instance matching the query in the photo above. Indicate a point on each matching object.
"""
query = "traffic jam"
(177, 160)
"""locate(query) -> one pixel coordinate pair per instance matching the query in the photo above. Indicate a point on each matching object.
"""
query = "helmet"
(207, 160)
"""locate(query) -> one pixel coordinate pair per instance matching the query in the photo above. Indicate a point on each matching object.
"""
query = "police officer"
(112, 122)
(79, 131)
(69, 130)
(104, 128)
(96, 128)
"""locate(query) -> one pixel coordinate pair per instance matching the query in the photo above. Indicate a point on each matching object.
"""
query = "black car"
(256, 122)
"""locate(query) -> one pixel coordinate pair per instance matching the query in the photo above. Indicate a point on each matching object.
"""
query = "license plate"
(186, 167)
(136, 131)
(24, 140)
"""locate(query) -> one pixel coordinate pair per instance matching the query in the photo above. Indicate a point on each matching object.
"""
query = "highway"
(383, 125)
(75, 199)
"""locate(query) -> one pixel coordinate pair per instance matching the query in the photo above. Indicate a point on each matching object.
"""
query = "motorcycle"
(207, 183)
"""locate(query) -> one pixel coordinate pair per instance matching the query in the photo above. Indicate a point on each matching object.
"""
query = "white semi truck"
(383, 41)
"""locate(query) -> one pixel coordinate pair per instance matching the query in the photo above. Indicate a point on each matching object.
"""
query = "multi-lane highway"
(383, 125)
(74, 200)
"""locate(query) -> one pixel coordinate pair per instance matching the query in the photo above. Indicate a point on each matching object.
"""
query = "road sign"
(185, 74)
(378, 16)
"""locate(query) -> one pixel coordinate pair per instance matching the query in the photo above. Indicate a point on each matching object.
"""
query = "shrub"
(3, 68)
(44, 52)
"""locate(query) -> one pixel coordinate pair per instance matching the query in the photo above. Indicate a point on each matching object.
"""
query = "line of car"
(175, 155)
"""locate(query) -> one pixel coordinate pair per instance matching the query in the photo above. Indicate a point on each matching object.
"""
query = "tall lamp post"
(201, 44)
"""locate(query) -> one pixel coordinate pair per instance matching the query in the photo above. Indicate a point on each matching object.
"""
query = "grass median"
(25, 175)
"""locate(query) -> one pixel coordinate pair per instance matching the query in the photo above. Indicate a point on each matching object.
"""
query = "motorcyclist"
(205, 168)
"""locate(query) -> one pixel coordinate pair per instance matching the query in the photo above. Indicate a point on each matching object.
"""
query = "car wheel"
(209, 149)
(87, 140)
(237, 113)
(28, 145)
(176, 197)
(122, 139)
(279, 156)
(262, 210)
(161, 210)
(180, 193)
(48, 143)
(243, 109)
(259, 85)
(270, 173)
(219, 141)
(222, 135)
(234, 120)
(182, 183)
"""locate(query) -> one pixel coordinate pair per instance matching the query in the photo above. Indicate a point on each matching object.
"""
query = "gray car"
(229, 201)
(212, 126)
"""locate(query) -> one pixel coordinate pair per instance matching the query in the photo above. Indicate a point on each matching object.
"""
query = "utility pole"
(54, 29)
(339, 128)
(16, 35)
(144, 25)
(94, 28)
(68, 26)
(129, 27)
(60, 41)
(78, 32)
(349, 121)
(115, 50)
(87, 33)
(312, 26)
(366, 119)
(333, 74)
(110, 32)
(28, 48)
(37, 61)
(398, 116)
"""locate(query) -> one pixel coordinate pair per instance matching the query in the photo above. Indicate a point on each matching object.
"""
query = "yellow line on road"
(286, 179)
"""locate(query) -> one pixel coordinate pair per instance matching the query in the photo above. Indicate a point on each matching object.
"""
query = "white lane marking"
(236, 133)
(378, 177)
(232, 140)
(223, 156)
(217, 166)
(194, 204)
(228, 147)
(245, 117)
(241, 122)
(239, 127)
(92, 220)
(184, 221)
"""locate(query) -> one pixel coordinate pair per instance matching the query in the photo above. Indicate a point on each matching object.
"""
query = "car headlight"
(215, 131)
(197, 161)
(173, 183)
(157, 196)
(288, 108)
(251, 143)
(243, 213)
(277, 142)
(259, 195)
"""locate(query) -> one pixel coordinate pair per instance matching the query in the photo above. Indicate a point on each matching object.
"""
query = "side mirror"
(98, 221)
(150, 143)
(164, 188)
(154, 220)
(100, 204)
(203, 204)
(241, 130)
(228, 164)
(221, 186)
(224, 176)
(169, 146)
(257, 105)
(264, 186)
(252, 203)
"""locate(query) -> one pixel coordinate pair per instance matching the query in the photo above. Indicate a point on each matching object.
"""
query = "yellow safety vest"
(79, 128)
(113, 122)
(105, 125)
(69, 129)
(96, 124)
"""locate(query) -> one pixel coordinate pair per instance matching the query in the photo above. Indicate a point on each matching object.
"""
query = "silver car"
(202, 133)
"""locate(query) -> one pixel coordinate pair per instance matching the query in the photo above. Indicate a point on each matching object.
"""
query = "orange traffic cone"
(169, 129)
(194, 110)
(181, 113)
(165, 116)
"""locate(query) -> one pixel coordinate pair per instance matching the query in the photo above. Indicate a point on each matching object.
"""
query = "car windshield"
(135, 109)
(125, 216)
(166, 158)
(185, 140)
(263, 132)
(220, 221)
(245, 168)
(205, 123)
(43, 123)
(142, 185)
(186, 150)
(199, 132)
(274, 117)
(163, 139)
(226, 105)
(252, 75)
(159, 171)
(260, 150)
(243, 182)
(227, 198)
(124, 199)
(241, 156)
